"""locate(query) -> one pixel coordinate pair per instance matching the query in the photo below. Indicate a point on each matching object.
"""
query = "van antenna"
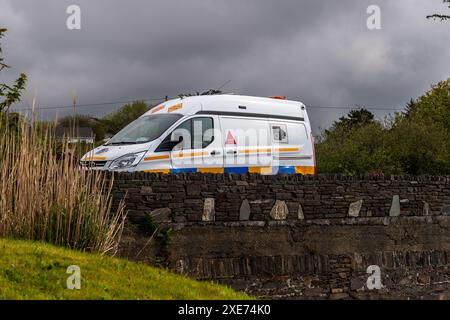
(223, 85)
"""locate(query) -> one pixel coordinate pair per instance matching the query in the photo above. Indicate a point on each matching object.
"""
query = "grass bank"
(34, 270)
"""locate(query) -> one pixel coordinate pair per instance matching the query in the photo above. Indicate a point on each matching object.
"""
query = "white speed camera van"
(213, 134)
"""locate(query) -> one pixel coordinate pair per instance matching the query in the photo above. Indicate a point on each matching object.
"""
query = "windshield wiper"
(121, 143)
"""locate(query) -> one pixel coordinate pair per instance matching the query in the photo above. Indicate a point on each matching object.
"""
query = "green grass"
(34, 270)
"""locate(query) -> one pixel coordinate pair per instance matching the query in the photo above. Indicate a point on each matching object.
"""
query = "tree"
(10, 93)
(435, 104)
(409, 108)
(355, 144)
(416, 141)
(355, 118)
(419, 145)
(442, 17)
(115, 121)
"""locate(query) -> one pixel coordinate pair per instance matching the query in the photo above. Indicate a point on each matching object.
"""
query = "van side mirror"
(168, 144)
(175, 142)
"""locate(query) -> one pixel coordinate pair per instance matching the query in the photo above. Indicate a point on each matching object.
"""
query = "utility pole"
(74, 105)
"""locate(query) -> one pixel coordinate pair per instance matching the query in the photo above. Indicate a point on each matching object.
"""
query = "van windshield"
(144, 129)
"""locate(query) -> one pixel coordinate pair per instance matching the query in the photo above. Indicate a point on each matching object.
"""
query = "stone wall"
(260, 198)
(294, 236)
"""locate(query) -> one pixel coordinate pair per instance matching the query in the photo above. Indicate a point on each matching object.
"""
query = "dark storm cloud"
(320, 52)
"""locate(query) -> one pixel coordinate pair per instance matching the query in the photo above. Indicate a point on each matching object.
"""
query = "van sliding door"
(246, 145)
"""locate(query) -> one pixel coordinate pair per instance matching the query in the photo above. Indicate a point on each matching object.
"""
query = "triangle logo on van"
(230, 139)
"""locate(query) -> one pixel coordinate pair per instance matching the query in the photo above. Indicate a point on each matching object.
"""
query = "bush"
(420, 145)
(358, 150)
(116, 121)
(414, 142)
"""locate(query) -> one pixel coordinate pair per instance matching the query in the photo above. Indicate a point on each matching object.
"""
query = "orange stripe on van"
(210, 170)
(158, 171)
(190, 154)
(158, 108)
(175, 107)
(305, 170)
(94, 158)
(260, 170)
(156, 158)
(264, 150)
(287, 149)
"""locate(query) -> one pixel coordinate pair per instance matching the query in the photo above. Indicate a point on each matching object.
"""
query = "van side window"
(203, 132)
(182, 131)
(196, 133)
(279, 133)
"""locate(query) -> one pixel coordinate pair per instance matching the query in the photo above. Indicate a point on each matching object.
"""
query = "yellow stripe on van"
(260, 170)
(264, 150)
(156, 158)
(94, 158)
(305, 170)
(210, 170)
(190, 154)
(158, 171)
(287, 149)
(175, 107)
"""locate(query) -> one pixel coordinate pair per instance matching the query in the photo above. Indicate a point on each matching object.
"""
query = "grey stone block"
(209, 211)
(279, 211)
(395, 207)
(300, 214)
(244, 211)
(426, 209)
(355, 208)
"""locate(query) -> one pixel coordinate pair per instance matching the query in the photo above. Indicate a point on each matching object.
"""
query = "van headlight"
(127, 161)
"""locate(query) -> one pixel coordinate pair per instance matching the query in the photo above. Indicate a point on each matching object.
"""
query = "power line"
(89, 104)
(102, 104)
(357, 107)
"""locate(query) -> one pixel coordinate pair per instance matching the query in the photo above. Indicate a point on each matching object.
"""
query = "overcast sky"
(317, 51)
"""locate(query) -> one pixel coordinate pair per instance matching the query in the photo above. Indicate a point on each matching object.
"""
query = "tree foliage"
(355, 118)
(10, 93)
(435, 104)
(115, 121)
(418, 145)
(414, 142)
(354, 145)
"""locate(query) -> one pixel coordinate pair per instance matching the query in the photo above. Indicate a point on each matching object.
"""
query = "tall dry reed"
(45, 196)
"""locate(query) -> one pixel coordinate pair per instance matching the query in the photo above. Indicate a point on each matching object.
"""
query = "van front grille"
(93, 164)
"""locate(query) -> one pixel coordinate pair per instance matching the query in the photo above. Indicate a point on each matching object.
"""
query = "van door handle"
(215, 153)
(232, 152)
